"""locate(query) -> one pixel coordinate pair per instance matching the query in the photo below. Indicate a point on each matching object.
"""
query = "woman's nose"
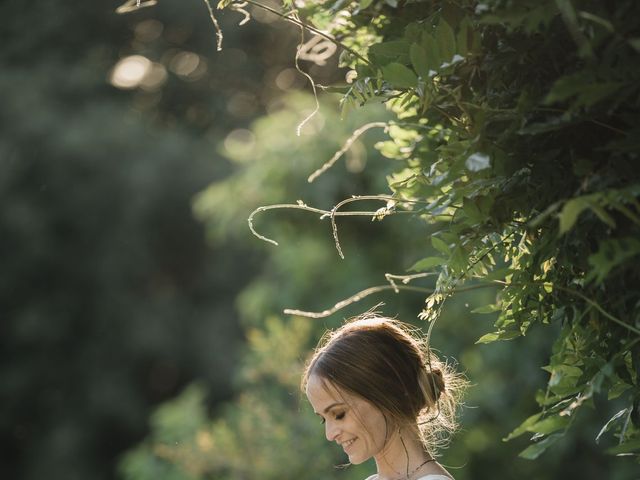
(331, 430)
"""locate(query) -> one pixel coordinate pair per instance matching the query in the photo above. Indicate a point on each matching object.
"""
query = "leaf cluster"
(517, 141)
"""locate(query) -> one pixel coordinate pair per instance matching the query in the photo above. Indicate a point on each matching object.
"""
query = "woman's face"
(351, 421)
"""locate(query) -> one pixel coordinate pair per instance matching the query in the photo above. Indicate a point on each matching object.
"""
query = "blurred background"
(141, 322)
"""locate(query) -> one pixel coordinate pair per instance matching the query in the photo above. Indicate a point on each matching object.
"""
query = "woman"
(381, 393)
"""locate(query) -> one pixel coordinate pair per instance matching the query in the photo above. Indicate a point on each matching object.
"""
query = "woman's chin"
(356, 459)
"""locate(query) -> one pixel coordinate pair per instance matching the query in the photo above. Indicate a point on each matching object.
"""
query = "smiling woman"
(381, 393)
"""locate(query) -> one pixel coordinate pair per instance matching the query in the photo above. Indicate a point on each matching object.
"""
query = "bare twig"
(353, 299)
(405, 278)
(370, 291)
(330, 213)
(302, 206)
(358, 198)
(133, 5)
(347, 145)
(219, 36)
(313, 84)
(310, 28)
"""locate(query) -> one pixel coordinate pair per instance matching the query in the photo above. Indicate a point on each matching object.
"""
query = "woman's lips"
(348, 443)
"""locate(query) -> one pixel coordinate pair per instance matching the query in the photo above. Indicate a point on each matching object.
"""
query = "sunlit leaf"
(610, 422)
(427, 264)
(570, 213)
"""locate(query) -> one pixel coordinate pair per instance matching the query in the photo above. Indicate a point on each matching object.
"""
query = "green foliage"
(110, 298)
(262, 435)
(518, 146)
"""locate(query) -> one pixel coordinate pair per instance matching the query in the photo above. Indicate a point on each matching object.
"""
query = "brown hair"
(387, 363)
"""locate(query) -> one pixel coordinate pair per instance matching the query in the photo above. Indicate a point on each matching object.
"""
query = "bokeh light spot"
(148, 30)
(130, 71)
(184, 63)
(240, 143)
(287, 79)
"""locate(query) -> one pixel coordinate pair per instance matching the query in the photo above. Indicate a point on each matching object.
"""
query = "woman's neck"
(402, 456)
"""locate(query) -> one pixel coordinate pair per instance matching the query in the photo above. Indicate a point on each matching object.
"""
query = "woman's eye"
(340, 416)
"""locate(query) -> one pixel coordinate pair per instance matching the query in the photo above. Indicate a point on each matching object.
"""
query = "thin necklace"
(415, 469)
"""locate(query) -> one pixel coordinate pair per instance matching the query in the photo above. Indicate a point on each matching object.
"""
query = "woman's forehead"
(322, 393)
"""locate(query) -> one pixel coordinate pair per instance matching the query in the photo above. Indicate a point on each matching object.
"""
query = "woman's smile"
(348, 443)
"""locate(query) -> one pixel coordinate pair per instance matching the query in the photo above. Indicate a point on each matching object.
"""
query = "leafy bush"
(517, 139)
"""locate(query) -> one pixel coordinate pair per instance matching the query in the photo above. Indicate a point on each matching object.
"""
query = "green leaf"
(534, 451)
(509, 334)
(488, 338)
(430, 46)
(568, 86)
(399, 76)
(388, 52)
(610, 254)
(419, 60)
(570, 213)
(465, 33)
(560, 371)
(617, 389)
(413, 32)
(635, 43)
(599, 20)
(459, 259)
(602, 214)
(427, 263)
(389, 149)
(440, 245)
(627, 447)
(523, 427)
(570, 18)
(365, 4)
(610, 422)
(471, 210)
(549, 424)
(446, 41)
(499, 273)
(543, 216)
(491, 308)
(586, 90)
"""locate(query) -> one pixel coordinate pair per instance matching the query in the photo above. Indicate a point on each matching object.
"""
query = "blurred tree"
(110, 300)
(264, 434)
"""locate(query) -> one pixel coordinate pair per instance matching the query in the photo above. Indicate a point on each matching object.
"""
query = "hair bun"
(432, 384)
(436, 379)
